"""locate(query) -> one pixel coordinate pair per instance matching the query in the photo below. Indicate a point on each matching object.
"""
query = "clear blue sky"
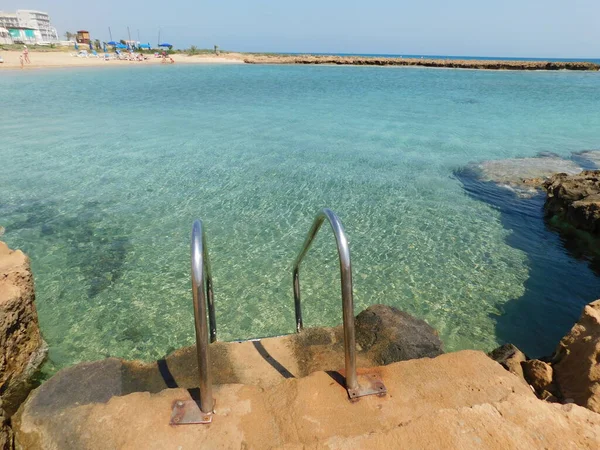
(544, 28)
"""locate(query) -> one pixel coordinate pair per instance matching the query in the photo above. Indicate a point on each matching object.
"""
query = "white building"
(8, 20)
(29, 26)
(5, 37)
(39, 21)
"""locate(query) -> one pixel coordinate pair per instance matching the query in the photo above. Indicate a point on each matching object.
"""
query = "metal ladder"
(356, 385)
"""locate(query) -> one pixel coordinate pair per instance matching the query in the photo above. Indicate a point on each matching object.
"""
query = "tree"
(193, 50)
(97, 44)
(69, 35)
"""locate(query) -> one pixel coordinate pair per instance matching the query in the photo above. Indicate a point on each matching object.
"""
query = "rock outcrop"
(6, 437)
(572, 374)
(424, 62)
(511, 358)
(577, 360)
(22, 349)
(457, 400)
(575, 199)
(539, 375)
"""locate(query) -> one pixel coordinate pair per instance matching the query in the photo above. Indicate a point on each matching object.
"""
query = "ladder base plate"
(368, 384)
(187, 412)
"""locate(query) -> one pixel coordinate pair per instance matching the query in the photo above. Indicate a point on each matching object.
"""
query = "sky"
(519, 28)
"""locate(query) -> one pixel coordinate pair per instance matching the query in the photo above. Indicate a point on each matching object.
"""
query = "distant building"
(28, 26)
(8, 20)
(23, 35)
(5, 36)
(39, 21)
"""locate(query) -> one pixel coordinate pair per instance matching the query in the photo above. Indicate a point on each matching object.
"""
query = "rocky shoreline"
(572, 373)
(420, 62)
(266, 389)
(575, 199)
(566, 383)
(571, 186)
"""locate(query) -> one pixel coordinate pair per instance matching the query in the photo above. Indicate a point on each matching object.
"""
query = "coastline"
(47, 60)
(421, 62)
(44, 60)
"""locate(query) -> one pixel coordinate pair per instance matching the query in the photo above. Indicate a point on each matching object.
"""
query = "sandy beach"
(41, 60)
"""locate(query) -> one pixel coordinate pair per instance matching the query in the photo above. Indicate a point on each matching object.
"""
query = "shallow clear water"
(103, 172)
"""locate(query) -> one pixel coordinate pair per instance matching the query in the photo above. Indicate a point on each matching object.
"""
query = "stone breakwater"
(440, 63)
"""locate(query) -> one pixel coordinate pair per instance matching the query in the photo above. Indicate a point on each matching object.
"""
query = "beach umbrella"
(113, 43)
(121, 45)
(164, 44)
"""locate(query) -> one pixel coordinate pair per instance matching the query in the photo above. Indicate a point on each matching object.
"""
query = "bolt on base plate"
(186, 412)
(368, 384)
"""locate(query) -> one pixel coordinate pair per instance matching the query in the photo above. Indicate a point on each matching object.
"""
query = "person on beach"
(164, 57)
(26, 54)
(21, 60)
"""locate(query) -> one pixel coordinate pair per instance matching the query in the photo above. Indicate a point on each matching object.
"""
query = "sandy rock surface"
(387, 335)
(459, 400)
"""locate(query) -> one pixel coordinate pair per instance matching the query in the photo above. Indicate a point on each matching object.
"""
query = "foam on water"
(103, 172)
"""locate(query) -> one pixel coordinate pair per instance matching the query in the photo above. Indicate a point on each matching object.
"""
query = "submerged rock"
(577, 360)
(391, 335)
(523, 175)
(590, 159)
(575, 199)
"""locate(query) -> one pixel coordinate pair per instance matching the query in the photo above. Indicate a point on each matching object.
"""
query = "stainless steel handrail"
(200, 268)
(346, 281)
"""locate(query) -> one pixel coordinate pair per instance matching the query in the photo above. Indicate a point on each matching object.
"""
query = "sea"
(105, 169)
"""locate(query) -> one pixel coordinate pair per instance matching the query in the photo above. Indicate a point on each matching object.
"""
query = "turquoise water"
(104, 170)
